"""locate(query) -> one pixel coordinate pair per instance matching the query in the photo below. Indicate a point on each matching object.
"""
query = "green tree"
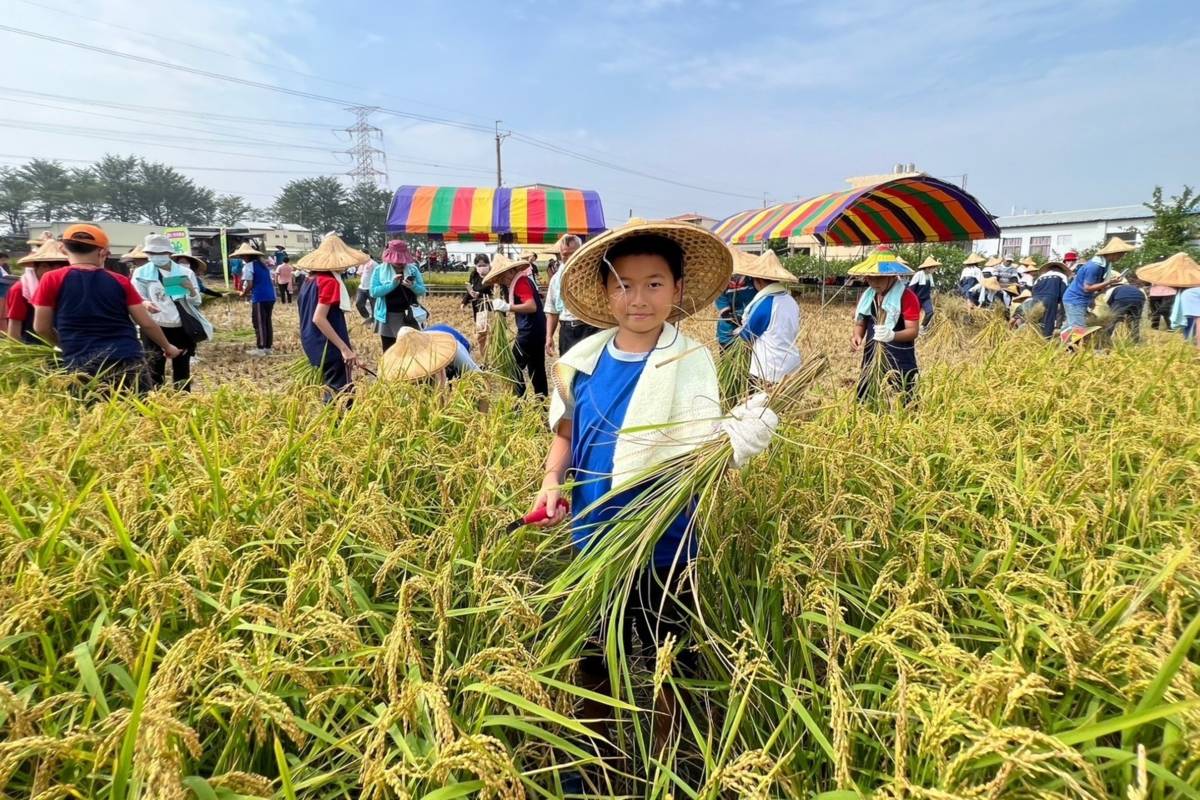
(167, 197)
(51, 185)
(232, 209)
(16, 197)
(316, 203)
(86, 200)
(120, 184)
(366, 216)
(1176, 226)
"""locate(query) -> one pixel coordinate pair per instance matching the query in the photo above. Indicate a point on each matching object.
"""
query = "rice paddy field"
(241, 593)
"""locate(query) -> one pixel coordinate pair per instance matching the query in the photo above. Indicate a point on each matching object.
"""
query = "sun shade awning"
(479, 214)
(911, 209)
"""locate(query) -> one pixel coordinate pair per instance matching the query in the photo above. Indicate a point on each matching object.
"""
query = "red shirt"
(910, 306)
(18, 307)
(91, 315)
(523, 289)
(329, 291)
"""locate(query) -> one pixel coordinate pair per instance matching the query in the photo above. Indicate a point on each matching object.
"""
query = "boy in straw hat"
(772, 320)
(922, 286)
(257, 281)
(888, 316)
(1090, 280)
(323, 303)
(19, 302)
(525, 302)
(640, 374)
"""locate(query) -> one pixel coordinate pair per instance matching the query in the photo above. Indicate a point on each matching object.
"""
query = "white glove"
(500, 305)
(750, 428)
(883, 334)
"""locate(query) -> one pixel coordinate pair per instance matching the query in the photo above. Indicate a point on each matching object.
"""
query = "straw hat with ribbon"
(133, 255)
(417, 354)
(881, 263)
(929, 263)
(1116, 247)
(1180, 271)
(333, 255)
(765, 267)
(707, 265)
(49, 251)
(246, 251)
(502, 264)
(973, 260)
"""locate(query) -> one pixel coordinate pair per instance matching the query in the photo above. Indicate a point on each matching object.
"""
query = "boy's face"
(643, 293)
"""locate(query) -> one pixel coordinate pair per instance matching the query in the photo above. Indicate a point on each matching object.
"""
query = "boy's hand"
(171, 351)
(549, 497)
(750, 428)
(856, 340)
(350, 357)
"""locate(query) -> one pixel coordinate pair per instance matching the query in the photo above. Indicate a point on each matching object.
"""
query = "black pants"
(572, 333)
(284, 290)
(362, 301)
(1160, 309)
(109, 377)
(1129, 313)
(181, 367)
(264, 329)
(530, 354)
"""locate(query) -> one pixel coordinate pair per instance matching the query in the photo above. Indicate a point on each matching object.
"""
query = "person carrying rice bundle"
(634, 396)
(323, 303)
(1042, 307)
(886, 325)
(48, 256)
(771, 320)
(525, 302)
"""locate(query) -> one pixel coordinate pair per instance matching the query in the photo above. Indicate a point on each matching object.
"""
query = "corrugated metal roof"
(1067, 217)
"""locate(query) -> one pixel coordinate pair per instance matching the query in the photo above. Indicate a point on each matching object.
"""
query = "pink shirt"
(283, 273)
(1158, 290)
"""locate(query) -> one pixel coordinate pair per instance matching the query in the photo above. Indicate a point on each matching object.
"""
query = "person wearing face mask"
(478, 296)
(171, 293)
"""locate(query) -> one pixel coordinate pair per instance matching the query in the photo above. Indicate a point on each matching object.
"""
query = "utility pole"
(363, 150)
(499, 138)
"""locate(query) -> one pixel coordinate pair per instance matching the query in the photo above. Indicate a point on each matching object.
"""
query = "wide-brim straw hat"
(1027, 261)
(1054, 265)
(1180, 271)
(707, 266)
(502, 264)
(929, 263)
(333, 255)
(136, 252)
(247, 250)
(992, 262)
(417, 354)
(195, 262)
(1023, 296)
(765, 267)
(973, 260)
(881, 263)
(49, 252)
(1031, 267)
(1116, 246)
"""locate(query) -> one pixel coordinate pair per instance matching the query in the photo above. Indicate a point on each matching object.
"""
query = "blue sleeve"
(759, 321)
(418, 286)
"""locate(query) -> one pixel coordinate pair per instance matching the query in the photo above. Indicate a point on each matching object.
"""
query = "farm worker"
(362, 297)
(633, 396)
(888, 315)
(1090, 280)
(1025, 272)
(283, 278)
(280, 256)
(438, 354)
(323, 303)
(235, 269)
(134, 258)
(571, 330)
(479, 298)
(771, 320)
(970, 278)
(1046, 297)
(394, 289)
(150, 280)
(1162, 298)
(732, 302)
(1180, 272)
(1126, 302)
(48, 256)
(1071, 259)
(922, 286)
(1186, 314)
(525, 302)
(257, 280)
(93, 314)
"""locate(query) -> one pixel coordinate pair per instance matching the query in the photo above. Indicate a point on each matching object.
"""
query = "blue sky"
(1043, 105)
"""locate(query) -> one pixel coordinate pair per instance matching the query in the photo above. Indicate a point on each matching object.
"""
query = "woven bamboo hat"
(133, 255)
(973, 260)
(1028, 267)
(1116, 246)
(333, 255)
(49, 252)
(502, 264)
(766, 267)
(417, 354)
(194, 262)
(992, 262)
(930, 263)
(707, 265)
(882, 262)
(1058, 265)
(1023, 296)
(1179, 271)
(246, 250)
(1027, 261)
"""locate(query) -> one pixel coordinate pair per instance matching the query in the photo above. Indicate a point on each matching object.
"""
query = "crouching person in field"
(626, 399)
(323, 303)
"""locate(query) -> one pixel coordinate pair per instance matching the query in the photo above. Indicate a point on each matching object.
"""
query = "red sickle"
(539, 514)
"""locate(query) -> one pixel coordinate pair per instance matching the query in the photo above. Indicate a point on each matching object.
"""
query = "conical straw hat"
(196, 264)
(135, 253)
(930, 263)
(1023, 296)
(707, 265)
(1116, 246)
(500, 265)
(1179, 271)
(992, 262)
(973, 260)
(49, 252)
(741, 259)
(417, 354)
(1027, 261)
(766, 267)
(333, 255)
(246, 250)
(881, 262)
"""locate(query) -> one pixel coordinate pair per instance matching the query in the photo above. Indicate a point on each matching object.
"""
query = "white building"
(1053, 233)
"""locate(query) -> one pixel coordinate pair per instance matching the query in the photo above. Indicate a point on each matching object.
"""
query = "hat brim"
(418, 355)
(246, 251)
(497, 270)
(707, 266)
(333, 255)
(1115, 247)
(929, 263)
(880, 269)
(50, 252)
(765, 268)
(1179, 272)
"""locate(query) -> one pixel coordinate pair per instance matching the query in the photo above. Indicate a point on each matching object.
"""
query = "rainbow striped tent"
(910, 209)
(469, 214)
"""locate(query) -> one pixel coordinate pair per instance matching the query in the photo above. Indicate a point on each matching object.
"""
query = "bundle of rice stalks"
(733, 372)
(23, 363)
(499, 359)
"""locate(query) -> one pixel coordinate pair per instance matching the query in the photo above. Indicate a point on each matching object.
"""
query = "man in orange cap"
(91, 314)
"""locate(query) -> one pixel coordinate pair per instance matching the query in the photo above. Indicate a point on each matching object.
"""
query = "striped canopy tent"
(476, 214)
(899, 210)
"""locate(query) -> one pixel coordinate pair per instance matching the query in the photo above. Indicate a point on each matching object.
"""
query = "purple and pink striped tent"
(477, 214)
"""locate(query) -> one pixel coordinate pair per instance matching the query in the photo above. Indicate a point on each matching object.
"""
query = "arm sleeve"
(46, 295)
(328, 291)
(759, 321)
(910, 306)
(523, 291)
(16, 306)
(418, 286)
(132, 298)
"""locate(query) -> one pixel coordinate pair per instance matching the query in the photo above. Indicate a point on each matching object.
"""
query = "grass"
(993, 594)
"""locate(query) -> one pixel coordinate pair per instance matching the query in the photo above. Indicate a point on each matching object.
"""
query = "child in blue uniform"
(772, 321)
(323, 302)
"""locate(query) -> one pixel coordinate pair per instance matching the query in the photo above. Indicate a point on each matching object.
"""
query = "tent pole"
(824, 268)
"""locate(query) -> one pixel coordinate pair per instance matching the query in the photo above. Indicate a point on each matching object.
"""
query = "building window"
(1010, 247)
(1129, 237)
(1064, 242)
(1039, 246)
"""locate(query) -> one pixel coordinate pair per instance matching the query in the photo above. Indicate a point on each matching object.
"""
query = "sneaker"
(256, 352)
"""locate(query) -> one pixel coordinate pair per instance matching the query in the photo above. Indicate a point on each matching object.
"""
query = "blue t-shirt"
(443, 328)
(601, 400)
(262, 290)
(91, 316)
(1091, 273)
(737, 300)
(760, 319)
(1126, 294)
(235, 266)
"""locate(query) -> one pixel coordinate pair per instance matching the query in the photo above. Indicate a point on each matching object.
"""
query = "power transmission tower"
(363, 137)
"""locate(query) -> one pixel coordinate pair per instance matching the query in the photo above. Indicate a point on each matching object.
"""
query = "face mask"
(160, 260)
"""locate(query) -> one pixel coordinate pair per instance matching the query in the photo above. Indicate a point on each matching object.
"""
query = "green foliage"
(316, 203)
(1176, 226)
(364, 216)
(232, 209)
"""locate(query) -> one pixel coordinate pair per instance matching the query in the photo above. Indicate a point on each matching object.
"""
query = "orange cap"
(86, 234)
